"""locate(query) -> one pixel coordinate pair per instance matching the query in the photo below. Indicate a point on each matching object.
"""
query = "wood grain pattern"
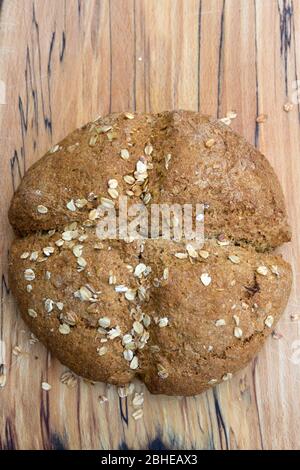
(64, 62)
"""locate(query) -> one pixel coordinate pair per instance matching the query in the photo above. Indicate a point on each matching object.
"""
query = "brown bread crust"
(214, 328)
(234, 179)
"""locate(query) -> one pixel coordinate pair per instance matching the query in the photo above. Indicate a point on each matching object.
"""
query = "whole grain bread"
(179, 319)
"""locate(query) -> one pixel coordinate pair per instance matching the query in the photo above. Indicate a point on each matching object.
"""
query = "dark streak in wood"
(44, 418)
(4, 289)
(285, 11)
(123, 405)
(31, 89)
(47, 120)
(199, 53)
(56, 442)
(220, 421)
(15, 164)
(33, 85)
(174, 441)
(123, 446)
(211, 435)
(10, 436)
(23, 113)
(199, 422)
(96, 28)
(220, 60)
(157, 444)
(154, 444)
(295, 60)
(63, 46)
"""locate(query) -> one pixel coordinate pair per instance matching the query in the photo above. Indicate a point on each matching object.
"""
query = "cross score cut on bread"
(179, 319)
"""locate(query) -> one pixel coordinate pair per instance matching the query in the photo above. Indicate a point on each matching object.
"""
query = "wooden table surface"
(62, 63)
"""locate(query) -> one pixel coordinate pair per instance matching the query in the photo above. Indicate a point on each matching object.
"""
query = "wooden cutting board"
(64, 62)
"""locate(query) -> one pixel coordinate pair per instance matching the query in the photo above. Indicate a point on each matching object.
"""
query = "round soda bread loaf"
(181, 319)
